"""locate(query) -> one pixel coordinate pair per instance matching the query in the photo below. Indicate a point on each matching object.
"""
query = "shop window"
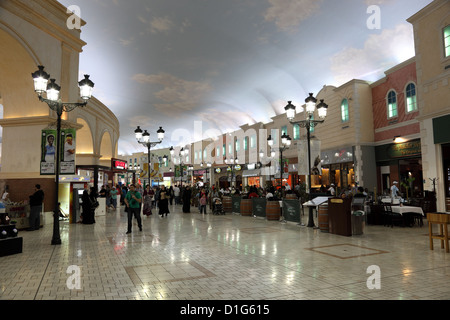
(447, 41)
(345, 116)
(392, 104)
(411, 98)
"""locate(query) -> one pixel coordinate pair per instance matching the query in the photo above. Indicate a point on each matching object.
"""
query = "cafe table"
(405, 211)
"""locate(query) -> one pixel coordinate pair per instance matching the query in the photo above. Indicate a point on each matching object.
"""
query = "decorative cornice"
(36, 121)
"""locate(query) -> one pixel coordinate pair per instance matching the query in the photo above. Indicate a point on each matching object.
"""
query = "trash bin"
(358, 222)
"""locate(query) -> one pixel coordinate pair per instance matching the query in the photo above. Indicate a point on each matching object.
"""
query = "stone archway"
(85, 144)
(106, 147)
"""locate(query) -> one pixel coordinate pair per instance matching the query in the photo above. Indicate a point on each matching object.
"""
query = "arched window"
(345, 116)
(411, 98)
(392, 104)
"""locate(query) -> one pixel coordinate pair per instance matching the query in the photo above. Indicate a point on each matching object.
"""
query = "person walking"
(203, 202)
(86, 216)
(187, 200)
(176, 193)
(36, 200)
(171, 195)
(113, 194)
(163, 203)
(394, 190)
(148, 198)
(133, 201)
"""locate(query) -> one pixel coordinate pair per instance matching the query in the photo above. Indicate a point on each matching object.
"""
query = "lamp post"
(272, 156)
(232, 163)
(208, 166)
(52, 90)
(143, 138)
(308, 123)
(286, 142)
(181, 154)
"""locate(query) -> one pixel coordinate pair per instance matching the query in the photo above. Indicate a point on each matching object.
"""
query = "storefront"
(441, 134)
(118, 169)
(199, 177)
(400, 162)
(337, 167)
(252, 176)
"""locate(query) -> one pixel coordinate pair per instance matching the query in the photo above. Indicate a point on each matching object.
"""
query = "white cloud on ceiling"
(380, 52)
(287, 14)
(178, 95)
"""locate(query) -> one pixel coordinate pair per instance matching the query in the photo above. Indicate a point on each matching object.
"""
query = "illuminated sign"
(117, 164)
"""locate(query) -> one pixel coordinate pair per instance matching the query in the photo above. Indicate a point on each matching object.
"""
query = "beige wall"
(34, 33)
(433, 87)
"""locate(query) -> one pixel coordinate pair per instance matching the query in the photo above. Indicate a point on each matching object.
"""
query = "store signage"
(199, 172)
(237, 167)
(218, 170)
(406, 149)
(119, 164)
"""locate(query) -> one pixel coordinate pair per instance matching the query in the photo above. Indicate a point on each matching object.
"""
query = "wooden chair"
(442, 220)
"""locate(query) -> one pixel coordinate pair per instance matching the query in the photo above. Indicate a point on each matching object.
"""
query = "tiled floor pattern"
(207, 257)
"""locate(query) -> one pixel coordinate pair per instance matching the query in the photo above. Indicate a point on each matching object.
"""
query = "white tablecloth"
(401, 210)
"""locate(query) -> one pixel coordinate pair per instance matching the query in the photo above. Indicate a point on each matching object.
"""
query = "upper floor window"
(245, 143)
(345, 116)
(238, 146)
(312, 128)
(296, 129)
(411, 98)
(392, 104)
(447, 41)
(253, 141)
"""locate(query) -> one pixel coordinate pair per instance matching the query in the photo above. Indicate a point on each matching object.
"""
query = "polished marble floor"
(226, 257)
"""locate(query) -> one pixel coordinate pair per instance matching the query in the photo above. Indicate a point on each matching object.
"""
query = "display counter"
(20, 214)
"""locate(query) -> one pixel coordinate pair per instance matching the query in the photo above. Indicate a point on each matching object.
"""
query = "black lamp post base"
(311, 218)
(56, 242)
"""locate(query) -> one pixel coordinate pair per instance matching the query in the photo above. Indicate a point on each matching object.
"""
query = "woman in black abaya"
(187, 200)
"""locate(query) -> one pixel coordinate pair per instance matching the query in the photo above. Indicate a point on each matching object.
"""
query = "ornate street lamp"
(143, 138)
(286, 142)
(308, 123)
(52, 90)
(181, 155)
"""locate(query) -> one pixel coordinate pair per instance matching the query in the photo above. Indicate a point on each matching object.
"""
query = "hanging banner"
(68, 151)
(316, 167)
(48, 152)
